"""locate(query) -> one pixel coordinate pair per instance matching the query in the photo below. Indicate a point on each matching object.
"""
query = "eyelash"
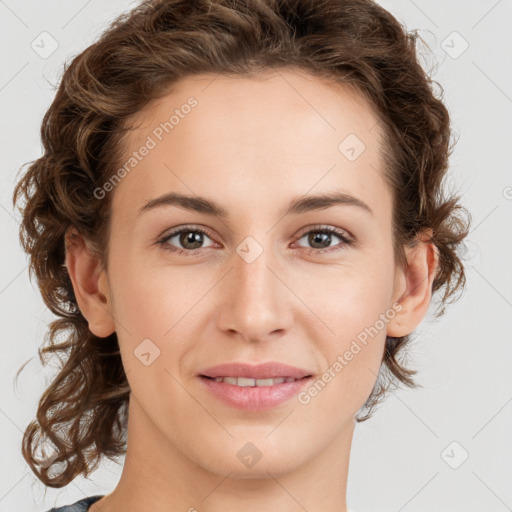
(346, 240)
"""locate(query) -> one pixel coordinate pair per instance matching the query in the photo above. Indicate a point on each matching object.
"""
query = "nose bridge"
(255, 304)
(252, 270)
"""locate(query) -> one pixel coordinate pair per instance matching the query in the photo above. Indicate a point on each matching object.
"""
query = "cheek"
(351, 298)
(146, 306)
(147, 311)
(355, 307)
(158, 311)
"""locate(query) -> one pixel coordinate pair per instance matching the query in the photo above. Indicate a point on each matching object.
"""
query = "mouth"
(254, 387)
(254, 372)
(254, 395)
(253, 382)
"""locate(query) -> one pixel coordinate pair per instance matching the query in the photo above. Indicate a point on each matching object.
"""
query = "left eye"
(324, 236)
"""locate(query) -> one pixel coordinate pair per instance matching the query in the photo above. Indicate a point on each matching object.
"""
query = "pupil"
(320, 238)
(191, 237)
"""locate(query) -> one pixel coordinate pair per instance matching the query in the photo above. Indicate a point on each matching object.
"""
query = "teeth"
(246, 382)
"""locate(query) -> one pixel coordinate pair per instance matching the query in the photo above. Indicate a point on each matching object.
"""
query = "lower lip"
(254, 398)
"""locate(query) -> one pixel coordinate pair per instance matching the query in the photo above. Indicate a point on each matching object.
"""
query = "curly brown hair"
(83, 413)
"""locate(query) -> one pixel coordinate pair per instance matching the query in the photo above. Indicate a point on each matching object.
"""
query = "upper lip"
(268, 370)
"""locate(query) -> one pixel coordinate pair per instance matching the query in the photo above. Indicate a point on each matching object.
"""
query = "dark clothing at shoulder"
(79, 506)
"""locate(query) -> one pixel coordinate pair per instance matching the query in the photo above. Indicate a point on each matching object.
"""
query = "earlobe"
(414, 286)
(90, 284)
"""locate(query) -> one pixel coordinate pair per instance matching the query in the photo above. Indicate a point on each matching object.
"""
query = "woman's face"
(263, 283)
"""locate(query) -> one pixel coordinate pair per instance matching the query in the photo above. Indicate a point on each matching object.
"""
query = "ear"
(90, 284)
(413, 286)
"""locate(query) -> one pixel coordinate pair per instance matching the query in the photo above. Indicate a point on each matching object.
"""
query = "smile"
(254, 394)
(247, 382)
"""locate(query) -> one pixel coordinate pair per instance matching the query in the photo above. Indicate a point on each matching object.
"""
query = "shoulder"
(79, 506)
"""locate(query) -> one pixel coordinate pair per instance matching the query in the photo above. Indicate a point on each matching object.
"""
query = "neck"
(157, 476)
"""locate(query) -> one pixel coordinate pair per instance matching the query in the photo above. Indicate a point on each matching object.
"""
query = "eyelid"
(185, 227)
(325, 227)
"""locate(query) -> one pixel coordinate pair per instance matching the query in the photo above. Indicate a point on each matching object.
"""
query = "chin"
(271, 462)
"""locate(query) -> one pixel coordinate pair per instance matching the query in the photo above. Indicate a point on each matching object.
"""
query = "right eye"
(186, 236)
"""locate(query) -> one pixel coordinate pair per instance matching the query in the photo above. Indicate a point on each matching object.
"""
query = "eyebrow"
(296, 206)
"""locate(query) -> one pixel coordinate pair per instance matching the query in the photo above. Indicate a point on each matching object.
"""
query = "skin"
(252, 145)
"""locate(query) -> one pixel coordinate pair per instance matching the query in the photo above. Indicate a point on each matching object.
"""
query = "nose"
(257, 302)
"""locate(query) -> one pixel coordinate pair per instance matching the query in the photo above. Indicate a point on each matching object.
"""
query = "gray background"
(410, 456)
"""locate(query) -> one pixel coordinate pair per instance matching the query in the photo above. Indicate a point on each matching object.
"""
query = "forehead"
(282, 131)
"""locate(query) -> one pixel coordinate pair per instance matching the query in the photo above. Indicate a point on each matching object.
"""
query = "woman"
(299, 149)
